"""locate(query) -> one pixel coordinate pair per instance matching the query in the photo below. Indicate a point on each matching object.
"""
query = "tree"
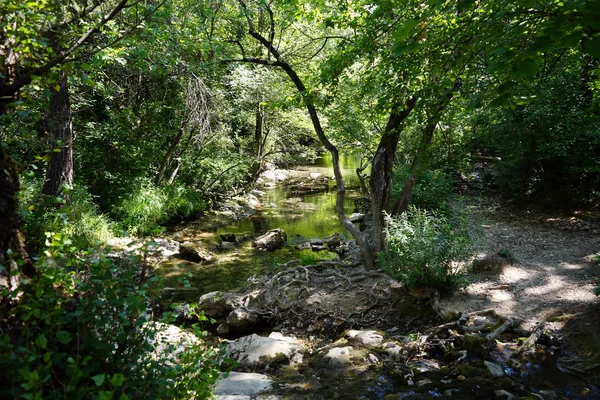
(26, 53)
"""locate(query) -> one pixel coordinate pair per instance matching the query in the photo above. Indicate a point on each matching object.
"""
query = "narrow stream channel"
(303, 206)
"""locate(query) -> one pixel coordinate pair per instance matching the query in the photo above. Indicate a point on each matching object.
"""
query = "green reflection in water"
(301, 214)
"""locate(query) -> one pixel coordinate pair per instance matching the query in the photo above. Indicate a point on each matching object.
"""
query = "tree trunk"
(60, 128)
(381, 172)
(167, 157)
(12, 247)
(403, 201)
(259, 142)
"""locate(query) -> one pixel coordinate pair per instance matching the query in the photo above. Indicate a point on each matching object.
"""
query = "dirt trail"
(552, 273)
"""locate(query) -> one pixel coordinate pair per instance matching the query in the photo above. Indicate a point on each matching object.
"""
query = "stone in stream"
(335, 240)
(319, 248)
(494, 369)
(242, 385)
(257, 353)
(194, 252)
(242, 320)
(219, 304)
(303, 246)
(272, 240)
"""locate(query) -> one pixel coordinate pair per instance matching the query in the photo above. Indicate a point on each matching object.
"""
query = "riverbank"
(540, 291)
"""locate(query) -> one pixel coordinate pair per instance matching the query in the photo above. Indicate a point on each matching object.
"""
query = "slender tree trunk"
(60, 129)
(259, 142)
(167, 157)
(403, 201)
(381, 172)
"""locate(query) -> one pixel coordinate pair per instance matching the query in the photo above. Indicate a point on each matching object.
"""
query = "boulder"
(242, 385)
(335, 240)
(256, 352)
(194, 252)
(219, 304)
(242, 320)
(272, 240)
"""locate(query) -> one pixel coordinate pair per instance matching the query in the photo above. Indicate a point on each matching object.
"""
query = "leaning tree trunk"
(60, 128)
(381, 171)
(363, 244)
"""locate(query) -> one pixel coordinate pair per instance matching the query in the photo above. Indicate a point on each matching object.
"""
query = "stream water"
(303, 206)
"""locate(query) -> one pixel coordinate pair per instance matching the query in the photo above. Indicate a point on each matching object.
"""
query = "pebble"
(461, 378)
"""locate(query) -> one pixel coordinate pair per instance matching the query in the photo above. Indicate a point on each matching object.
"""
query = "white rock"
(495, 369)
(255, 351)
(339, 355)
(240, 385)
(366, 337)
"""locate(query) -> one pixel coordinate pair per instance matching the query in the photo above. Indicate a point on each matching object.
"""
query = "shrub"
(432, 189)
(80, 331)
(144, 208)
(78, 218)
(426, 249)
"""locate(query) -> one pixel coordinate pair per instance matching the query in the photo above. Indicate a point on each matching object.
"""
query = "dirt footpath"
(552, 272)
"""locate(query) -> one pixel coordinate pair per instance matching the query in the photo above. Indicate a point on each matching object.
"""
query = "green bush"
(147, 206)
(79, 330)
(432, 189)
(78, 217)
(427, 248)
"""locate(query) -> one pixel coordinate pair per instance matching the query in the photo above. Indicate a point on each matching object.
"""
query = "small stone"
(513, 363)
(303, 246)
(503, 394)
(223, 329)
(494, 369)
(424, 382)
(447, 381)
(228, 246)
(372, 359)
(339, 355)
(316, 242)
(450, 392)
(319, 248)
(536, 396)
(461, 378)
(548, 394)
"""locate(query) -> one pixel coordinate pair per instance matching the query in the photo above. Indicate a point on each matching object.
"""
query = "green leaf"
(591, 46)
(99, 379)
(405, 29)
(117, 380)
(526, 68)
(42, 341)
(63, 337)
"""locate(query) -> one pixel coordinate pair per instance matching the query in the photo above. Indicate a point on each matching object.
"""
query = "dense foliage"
(80, 330)
(120, 116)
(428, 249)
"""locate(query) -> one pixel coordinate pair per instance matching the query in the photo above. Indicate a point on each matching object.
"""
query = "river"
(303, 206)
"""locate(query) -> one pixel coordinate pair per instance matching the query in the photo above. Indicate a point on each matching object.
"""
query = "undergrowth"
(79, 330)
(428, 249)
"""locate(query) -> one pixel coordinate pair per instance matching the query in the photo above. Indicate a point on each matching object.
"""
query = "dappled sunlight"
(571, 266)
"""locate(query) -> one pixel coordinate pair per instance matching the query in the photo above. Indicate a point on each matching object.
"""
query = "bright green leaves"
(99, 379)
